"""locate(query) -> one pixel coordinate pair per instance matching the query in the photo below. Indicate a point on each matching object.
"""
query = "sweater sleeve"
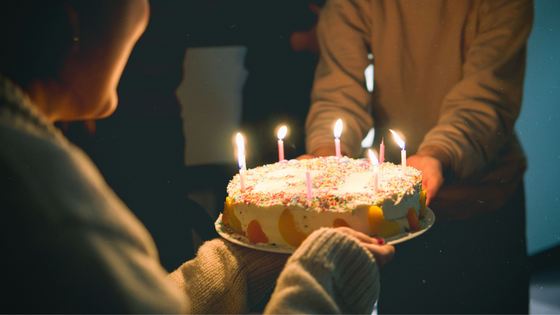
(227, 278)
(478, 114)
(339, 87)
(329, 273)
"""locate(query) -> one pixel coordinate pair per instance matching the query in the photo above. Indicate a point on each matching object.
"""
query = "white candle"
(375, 164)
(337, 133)
(401, 144)
(281, 134)
(403, 160)
(241, 160)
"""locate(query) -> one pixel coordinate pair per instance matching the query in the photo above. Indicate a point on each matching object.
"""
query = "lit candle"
(281, 134)
(375, 164)
(381, 152)
(401, 144)
(308, 182)
(241, 160)
(337, 133)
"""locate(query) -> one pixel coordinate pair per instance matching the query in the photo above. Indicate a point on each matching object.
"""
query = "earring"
(74, 23)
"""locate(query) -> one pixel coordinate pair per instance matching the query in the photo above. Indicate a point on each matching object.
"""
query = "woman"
(70, 245)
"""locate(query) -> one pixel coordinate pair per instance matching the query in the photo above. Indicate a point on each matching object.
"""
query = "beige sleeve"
(478, 114)
(227, 278)
(339, 88)
(329, 273)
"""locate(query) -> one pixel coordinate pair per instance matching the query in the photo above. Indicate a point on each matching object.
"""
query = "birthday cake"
(282, 203)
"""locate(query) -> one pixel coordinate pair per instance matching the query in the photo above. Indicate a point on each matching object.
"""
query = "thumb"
(432, 185)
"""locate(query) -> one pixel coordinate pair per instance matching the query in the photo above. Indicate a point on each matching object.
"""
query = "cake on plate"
(279, 208)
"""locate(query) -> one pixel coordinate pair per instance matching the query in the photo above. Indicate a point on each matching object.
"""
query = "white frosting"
(340, 191)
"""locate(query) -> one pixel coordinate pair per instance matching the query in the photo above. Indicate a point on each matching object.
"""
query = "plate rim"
(242, 240)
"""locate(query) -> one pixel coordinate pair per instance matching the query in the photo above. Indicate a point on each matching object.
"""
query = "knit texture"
(329, 273)
(227, 278)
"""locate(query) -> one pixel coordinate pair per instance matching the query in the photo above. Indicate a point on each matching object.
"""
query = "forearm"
(329, 273)
(479, 112)
(339, 88)
(227, 278)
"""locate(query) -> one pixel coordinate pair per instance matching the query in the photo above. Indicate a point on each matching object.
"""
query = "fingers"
(432, 184)
(382, 253)
(305, 157)
(360, 236)
(432, 174)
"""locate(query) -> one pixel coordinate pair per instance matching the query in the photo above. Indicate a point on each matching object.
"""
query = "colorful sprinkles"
(330, 175)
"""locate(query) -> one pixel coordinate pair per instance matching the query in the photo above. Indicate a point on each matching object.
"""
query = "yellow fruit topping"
(422, 204)
(255, 233)
(287, 227)
(379, 225)
(339, 223)
(413, 221)
(229, 218)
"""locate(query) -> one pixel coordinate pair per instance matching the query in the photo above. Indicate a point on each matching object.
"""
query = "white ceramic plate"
(233, 237)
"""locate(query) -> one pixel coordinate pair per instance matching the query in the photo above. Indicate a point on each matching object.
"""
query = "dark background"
(139, 149)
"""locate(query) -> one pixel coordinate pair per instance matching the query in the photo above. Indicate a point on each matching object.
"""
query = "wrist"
(438, 153)
(330, 255)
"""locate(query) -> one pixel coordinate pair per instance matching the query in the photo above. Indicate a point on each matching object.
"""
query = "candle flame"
(398, 139)
(368, 140)
(240, 150)
(338, 129)
(282, 132)
(369, 77)
(372, 158)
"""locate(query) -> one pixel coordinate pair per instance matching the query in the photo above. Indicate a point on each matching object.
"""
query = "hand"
(320, 151)
(305, 157)
(432, 171)
(307, 40)
(382, 253)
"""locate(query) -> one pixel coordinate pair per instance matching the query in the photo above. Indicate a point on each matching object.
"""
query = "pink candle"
(337, 133)
(241, 160)
(401, 144)
(281, 134)
(375, 164)
(242, 179)
(381, 152)
(308, 182)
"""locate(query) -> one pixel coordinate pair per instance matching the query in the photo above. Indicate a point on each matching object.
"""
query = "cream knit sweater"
(70, 245)
(329, 273)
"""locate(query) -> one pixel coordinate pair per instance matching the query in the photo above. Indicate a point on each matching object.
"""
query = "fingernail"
(380, 241)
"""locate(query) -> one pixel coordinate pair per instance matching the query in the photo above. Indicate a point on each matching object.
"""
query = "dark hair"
(35, 36)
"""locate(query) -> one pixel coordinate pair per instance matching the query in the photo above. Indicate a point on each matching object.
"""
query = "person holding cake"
(449, 77)
(70, 245)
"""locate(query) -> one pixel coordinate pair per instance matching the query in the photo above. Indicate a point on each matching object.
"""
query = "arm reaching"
(227, 278)
(339, 88)
(478, 114)
(333, 271)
